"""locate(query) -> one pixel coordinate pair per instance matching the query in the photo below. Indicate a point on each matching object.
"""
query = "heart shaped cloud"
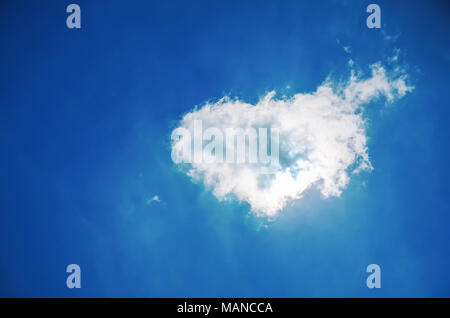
(322, 140)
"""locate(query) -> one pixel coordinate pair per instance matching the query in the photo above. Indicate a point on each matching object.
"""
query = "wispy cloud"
(347, 49)
(395, 56)
(154, 199)
(390, 37)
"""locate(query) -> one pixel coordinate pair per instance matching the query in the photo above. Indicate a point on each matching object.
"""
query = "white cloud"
(155, 199)
(389, 37)
(394, 58)
(322, 139)
(347, 49)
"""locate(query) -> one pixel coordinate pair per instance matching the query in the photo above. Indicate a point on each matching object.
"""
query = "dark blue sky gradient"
(85, 123)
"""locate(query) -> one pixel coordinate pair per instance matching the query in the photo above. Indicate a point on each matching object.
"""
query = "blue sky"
(85, 121)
